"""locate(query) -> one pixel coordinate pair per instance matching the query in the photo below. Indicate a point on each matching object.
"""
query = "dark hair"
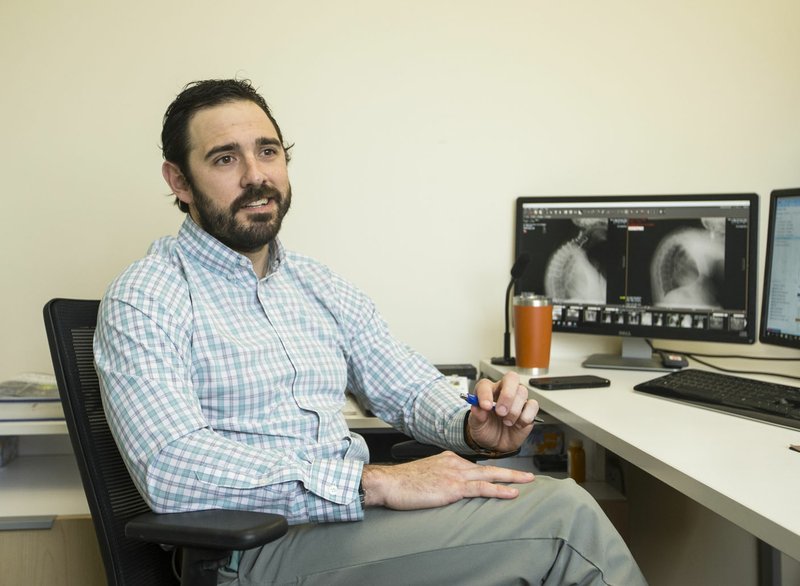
(196, 96)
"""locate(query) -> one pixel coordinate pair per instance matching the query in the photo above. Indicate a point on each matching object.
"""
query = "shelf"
(37, 486)
(56, 427)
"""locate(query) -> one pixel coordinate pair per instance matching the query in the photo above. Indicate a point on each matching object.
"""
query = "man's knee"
(563, 506)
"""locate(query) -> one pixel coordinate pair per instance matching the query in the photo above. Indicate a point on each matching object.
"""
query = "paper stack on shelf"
(30, 397)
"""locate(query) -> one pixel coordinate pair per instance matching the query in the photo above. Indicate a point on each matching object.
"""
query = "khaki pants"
(554, 533)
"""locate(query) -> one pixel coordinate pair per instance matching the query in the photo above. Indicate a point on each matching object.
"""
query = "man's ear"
(177, 182)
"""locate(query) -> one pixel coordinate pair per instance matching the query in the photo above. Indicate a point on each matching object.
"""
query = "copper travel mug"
(533, 330)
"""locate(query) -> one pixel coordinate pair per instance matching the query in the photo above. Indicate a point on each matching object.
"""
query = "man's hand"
(436, 481)
(506, 427)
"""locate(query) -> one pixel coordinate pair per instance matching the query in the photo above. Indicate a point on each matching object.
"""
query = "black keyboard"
(770, 402)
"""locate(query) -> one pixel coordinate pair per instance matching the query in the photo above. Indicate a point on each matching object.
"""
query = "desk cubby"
(46, 532)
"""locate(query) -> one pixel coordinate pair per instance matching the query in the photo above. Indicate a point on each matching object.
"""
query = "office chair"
(127, 531)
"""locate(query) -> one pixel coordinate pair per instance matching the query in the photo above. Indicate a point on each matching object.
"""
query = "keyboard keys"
(771, 402)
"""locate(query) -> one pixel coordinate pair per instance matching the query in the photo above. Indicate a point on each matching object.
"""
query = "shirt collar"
(216, 256)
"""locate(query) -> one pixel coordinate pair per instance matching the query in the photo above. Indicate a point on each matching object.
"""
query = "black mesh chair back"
(113, 498)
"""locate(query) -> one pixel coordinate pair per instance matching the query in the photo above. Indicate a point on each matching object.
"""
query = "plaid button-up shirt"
(224, 390)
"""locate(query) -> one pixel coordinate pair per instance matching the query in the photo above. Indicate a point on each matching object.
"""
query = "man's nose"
(253, 173)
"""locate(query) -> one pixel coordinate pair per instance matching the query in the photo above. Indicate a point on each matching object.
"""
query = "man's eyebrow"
(266, 141)
(223, 148)
(234, 146)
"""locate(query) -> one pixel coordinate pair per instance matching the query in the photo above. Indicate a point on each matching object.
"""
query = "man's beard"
(223, 225)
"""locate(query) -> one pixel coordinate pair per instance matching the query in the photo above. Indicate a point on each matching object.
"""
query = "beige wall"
(416, 125)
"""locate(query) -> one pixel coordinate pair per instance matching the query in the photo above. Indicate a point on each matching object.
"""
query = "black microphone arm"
(516, 272)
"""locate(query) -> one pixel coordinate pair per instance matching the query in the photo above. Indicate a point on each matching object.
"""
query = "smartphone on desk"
(581, 381)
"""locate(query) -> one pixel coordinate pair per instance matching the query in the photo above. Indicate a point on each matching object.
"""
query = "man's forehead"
(241, 121)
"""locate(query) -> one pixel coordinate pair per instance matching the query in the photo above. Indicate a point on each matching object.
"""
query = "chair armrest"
(218, 529)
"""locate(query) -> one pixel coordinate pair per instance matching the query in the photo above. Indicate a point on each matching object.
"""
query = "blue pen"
(473, 400)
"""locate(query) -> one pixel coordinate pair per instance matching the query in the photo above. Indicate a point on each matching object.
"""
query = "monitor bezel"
(763, 335)
(654, 332)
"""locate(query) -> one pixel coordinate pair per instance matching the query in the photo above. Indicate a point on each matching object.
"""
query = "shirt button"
(333, 490)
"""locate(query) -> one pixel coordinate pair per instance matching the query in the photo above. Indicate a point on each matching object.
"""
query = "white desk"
(741, 469)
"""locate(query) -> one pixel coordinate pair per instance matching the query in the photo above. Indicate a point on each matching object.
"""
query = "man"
(224, 359)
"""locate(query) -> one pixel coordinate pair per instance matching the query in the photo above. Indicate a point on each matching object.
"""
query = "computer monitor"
(780, 306)
(669, 266)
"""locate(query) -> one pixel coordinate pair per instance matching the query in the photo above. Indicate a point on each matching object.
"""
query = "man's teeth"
(255, 204)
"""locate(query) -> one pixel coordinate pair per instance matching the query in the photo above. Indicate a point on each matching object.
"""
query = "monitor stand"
(635, 354)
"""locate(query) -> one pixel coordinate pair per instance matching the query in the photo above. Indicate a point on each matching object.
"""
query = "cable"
(736, 371)
(742, 357)
(735, 356)
(694, 356)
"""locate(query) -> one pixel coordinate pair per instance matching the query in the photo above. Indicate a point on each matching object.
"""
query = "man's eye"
(269, 151)
(224, 160)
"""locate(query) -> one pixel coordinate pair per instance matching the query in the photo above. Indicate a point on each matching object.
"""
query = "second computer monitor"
(670, 266)
(780, 307)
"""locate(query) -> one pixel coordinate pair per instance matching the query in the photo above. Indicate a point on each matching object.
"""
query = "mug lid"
(528, 298)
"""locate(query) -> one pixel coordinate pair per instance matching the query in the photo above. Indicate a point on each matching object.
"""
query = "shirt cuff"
(333, 491)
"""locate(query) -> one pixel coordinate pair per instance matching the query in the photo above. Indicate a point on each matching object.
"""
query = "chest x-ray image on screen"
(575, 269)
(687, 268)
(686, 261)
(675, 267)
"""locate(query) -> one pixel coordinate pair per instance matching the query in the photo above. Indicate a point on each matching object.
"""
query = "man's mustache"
(254, 193)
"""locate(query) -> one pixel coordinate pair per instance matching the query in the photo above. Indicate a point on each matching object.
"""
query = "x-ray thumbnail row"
(566, 315)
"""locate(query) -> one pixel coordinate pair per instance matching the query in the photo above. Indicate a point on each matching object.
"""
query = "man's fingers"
(503, 392)
(517, 405)
(529, 411)
(507, 393)
(471, 471)
(522, 413)
(483, 488)
(485, 391)
(497, 474)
